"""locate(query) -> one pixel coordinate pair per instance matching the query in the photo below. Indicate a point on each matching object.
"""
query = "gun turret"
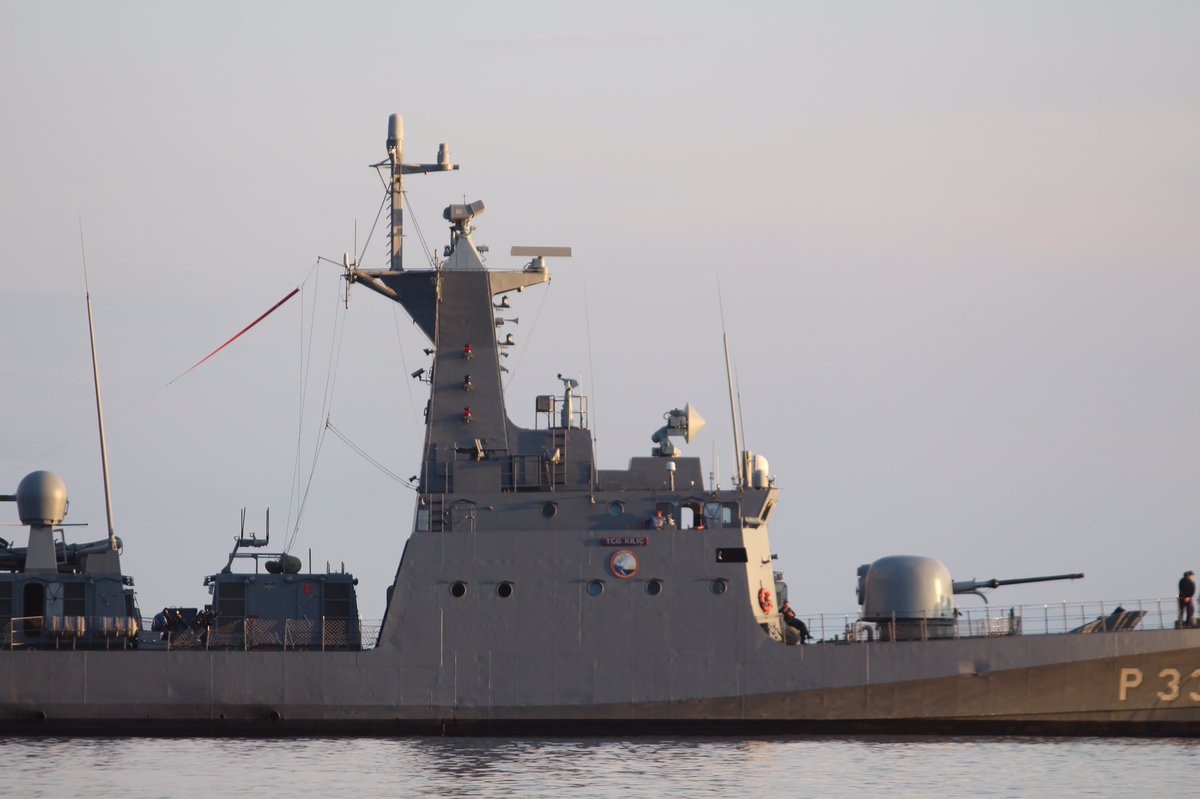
(974, 586)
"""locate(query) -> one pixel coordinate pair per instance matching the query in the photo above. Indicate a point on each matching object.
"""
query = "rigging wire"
(412, 404)
(541, 304)
(420, 236)
(339, 327)
(330, 379)
(366, 456)
(305, 371)
(378, 215)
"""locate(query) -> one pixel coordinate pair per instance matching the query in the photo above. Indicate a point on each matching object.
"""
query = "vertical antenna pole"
(737, 381)
(395, 148)
(112, 536)
(737, 446)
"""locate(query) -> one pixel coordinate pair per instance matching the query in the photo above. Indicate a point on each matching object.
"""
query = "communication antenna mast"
(112, 536)
(733, 413)
(398, 169)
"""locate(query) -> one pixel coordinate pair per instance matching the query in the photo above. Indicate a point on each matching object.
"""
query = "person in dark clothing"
(790, 619)
(1187, 594)
(161, 623)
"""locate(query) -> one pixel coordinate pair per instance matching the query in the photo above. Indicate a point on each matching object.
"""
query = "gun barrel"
(967, 586)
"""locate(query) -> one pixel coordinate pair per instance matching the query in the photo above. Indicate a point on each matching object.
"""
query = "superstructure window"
(6, 601)
(732, 555)
(231, 601)
(74, 599)
(337, 601)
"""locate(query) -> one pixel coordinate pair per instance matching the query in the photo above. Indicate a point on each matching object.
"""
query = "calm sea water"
(527, 767)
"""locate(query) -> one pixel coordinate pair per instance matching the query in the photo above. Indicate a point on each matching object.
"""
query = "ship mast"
(398, 169)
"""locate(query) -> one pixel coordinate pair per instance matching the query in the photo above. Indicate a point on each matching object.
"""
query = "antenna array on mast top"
(398, 169)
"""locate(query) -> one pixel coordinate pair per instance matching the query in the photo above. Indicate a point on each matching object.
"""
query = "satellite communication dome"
(42, 499)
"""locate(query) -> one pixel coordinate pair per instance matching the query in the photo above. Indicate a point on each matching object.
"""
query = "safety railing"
(277, 634)
(1038, 619)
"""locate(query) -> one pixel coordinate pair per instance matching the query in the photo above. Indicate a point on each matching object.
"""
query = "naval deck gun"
(975, 586)
(912, 598)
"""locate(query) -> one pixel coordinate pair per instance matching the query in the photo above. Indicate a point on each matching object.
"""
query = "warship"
(539, 593)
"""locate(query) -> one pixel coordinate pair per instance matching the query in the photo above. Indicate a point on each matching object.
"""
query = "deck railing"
(118, 632)
(279, 634)
(1001, 620)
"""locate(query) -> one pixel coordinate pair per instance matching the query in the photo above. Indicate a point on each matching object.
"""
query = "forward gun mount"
(912, 597)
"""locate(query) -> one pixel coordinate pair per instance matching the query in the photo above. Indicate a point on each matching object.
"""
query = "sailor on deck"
(797, 624)
(1187, 594)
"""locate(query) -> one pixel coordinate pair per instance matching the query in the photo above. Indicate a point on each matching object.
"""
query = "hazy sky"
(958, 245)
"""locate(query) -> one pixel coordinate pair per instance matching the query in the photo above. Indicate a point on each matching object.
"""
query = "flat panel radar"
(541, 252)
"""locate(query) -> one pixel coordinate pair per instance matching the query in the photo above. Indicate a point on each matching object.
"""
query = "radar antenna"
(398, 169)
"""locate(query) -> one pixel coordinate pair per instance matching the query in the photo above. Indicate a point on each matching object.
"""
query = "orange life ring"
(764, 600)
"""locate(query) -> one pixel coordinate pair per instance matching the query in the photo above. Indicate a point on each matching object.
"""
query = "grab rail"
(1031, 619)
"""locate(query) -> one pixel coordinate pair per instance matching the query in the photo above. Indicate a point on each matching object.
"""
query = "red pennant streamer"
(269, 311)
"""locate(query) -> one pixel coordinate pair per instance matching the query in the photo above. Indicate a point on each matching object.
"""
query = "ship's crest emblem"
(623, 563)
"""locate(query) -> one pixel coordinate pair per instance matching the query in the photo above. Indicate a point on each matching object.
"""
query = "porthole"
(654, 587)
(458, 589)
(504, 590)
(615, 509)
(595, 588)
(549, 509)
(719, 586)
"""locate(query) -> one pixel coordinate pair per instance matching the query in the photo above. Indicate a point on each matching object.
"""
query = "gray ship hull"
(551, 658)
(223, 693)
